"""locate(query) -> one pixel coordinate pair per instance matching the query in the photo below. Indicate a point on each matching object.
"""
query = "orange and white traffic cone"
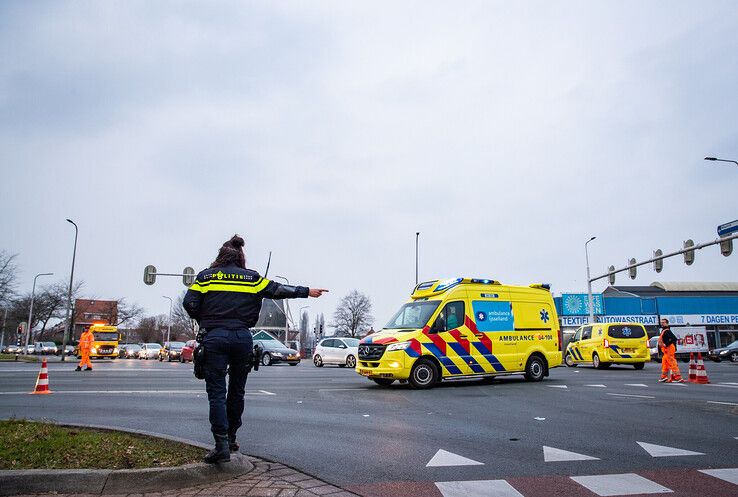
(692, 369)
(701, 372)
(42, 383)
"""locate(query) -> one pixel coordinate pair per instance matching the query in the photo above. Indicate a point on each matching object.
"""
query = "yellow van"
(459, 328)
(603, 344)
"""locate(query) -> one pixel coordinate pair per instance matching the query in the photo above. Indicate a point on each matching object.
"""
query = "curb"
(122, 481)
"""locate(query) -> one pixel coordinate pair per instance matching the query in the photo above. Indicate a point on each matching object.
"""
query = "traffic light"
(633, 270)
(658, 264)
(688, 255)
(611, 276)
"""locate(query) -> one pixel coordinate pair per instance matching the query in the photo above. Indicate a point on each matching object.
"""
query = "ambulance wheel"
(639, 365)
(318, 361)
(383, 382)
(424, 374)
(596, 361)
(535, 370)
(569, 360)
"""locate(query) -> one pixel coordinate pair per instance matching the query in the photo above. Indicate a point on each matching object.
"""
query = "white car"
(149, 351)
(334, 350)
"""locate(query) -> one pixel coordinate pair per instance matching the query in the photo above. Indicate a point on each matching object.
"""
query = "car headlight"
(115, 350)
(277, 354)
(94, 350)
(398, 346)
(724, 352)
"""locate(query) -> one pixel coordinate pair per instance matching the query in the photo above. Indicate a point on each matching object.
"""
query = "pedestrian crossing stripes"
(719, 482)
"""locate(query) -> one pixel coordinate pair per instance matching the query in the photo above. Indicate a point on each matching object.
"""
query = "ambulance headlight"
(94, 350)
(397, 346)
(115, 350)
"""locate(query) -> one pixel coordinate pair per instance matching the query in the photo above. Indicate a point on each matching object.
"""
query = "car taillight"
(606, 343)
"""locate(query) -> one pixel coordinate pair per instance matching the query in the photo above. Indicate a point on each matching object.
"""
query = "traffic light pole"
(665, 256)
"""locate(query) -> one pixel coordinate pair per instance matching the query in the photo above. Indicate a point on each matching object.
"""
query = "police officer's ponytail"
(231, 253)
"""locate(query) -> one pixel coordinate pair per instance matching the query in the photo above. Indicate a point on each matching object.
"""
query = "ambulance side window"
(586, 333)
(451, 317)
(577, 336)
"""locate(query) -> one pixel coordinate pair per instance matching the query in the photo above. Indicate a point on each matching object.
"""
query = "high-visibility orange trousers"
(669, 363)
(85, 360)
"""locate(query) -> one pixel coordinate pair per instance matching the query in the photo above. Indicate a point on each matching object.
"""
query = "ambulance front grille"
(370, 352)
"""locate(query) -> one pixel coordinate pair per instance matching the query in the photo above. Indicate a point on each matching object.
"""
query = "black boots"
(220, 453)
(232, 444)
(79, 368)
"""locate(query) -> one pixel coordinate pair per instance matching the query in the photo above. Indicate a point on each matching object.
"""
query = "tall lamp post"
(417, 234)
(722, 160)
(287, 310)
(30, 310)
(67, 329)
(169, 323)
(299, 313)
(589, 283)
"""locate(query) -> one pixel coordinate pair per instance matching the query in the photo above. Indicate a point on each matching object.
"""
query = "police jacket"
(230, 297)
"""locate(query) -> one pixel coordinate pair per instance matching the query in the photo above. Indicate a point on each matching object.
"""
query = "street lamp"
(30, 311)
(169, 323)
(589, 283)
(67, 329)
(287, 309)
(417, 234)
(721, 160)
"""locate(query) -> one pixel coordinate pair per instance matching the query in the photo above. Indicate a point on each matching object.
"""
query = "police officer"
(225, 299)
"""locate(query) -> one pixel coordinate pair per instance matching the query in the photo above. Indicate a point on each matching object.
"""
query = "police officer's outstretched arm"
(274, 290)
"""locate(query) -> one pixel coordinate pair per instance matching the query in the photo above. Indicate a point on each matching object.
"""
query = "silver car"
(149, 351)
(337, 350)
(46, 348)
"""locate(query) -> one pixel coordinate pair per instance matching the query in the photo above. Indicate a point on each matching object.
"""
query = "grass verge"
(35, 445)
(24, 358)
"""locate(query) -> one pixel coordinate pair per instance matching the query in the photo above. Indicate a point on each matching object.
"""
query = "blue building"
(712, 305)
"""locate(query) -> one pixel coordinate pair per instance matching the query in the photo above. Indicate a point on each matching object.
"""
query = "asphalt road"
(346, 430)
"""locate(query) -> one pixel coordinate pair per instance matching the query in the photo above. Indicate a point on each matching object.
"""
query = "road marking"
(723, 403)
(446, 458)
(539, 419)
(126, 392)
(673, 383)
(267, 393)
(478, 488)
(631, 395)
(727, 474)
(557, 386)
(552, 454)
(664, 451)
(338, 389)
(622, 484)
(730, 383)
(726, 385)
(636, 385)
(598, 386)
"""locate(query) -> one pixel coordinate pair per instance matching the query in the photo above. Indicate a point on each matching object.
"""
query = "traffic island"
(40, 457)
(17, 357)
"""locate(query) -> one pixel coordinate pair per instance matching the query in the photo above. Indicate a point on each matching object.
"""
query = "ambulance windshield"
(413, 315)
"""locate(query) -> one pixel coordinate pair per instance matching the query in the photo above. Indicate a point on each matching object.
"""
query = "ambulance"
(604, 344)
(464, 328)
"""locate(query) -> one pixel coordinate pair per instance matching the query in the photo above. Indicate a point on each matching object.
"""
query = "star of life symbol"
(481, 316)
(626, 332)
(544, 316)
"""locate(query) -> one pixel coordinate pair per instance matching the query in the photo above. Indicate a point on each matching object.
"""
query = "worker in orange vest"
(85, 344)
(667, 345)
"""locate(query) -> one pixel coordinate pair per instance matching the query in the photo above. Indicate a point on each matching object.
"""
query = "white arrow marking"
(727, 474)
(598, 386)
(557, 386)
(478, 488)
(664, 451)
(636, 385)
(446, 458)
(552, 454)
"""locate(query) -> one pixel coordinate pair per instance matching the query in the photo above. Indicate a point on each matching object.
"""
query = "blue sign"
(576, 304)
(728, 228)
(493, 316)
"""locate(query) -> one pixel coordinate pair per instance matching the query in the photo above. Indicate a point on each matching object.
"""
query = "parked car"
(68, 350)
(730, 352)
(171, 350)
(149, 351)
(276, 352)
(335, 350)
(656, 355)
(30, 349)
(131, 351)
(187, 351)
(46, 348)
(12, 349)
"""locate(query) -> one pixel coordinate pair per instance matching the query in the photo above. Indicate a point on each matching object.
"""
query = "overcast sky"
(506, 133)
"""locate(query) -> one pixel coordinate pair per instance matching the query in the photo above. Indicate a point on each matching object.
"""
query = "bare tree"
(183, 327)
(353, 314)
(127, 312)
(149, 328)
(8, 278)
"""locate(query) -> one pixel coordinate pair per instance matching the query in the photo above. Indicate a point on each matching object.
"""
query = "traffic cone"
(701, 372)
(692, 369)
(42, 382)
